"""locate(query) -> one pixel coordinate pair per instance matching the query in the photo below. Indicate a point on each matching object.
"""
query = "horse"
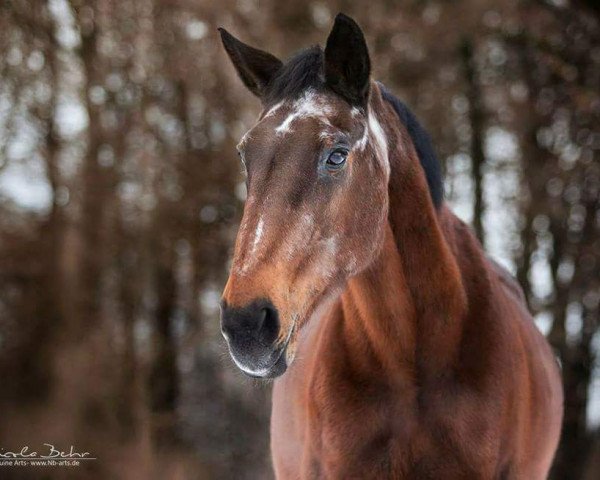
(397, 349)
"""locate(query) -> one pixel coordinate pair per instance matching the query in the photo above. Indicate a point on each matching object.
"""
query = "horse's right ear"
(255, 67)
(347, 63)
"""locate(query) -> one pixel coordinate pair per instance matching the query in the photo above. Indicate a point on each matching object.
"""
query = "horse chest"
(370, 433)
(331, 421)
(350, 438)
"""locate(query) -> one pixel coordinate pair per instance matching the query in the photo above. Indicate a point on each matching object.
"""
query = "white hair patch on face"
(242, 234)
(258, 234)
(309, 105)
(327, 264)
(247, 136)
(361, 144)
(375, 133)
(326, 135)
(331, 245)
(274, 109)
(380, 140)
(298, 234)
(351, 265)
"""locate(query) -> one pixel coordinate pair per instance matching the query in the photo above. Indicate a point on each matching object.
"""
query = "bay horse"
(400, 350)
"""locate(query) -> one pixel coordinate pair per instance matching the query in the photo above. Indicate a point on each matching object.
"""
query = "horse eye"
(337, 158)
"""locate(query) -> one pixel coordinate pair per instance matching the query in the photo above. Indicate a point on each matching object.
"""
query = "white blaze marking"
(247, 137)
(380, 140)
(325, 135)
(361, 144)
(374, 131)
(274, 109)
(331, 245)
(309, 105)
(258, 234)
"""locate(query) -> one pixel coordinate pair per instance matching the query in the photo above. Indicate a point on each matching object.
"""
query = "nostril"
(269, 325)
(262, 317)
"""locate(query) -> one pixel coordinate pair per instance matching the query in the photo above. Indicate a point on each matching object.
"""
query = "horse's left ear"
(255, 67)
(347, 63)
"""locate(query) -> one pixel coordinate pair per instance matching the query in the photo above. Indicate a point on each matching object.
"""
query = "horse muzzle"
(252, 334)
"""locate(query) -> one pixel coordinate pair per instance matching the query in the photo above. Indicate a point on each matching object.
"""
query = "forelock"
(302, 72)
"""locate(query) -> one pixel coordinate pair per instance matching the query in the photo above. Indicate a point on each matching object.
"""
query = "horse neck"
(410, 303)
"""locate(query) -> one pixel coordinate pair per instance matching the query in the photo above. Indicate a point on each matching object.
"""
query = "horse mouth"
(278, 364)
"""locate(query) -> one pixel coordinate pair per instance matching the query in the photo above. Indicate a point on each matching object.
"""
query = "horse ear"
(255, 67)
(347, 63)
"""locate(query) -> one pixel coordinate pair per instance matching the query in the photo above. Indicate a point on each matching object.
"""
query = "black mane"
(423, 146)
(305, 70)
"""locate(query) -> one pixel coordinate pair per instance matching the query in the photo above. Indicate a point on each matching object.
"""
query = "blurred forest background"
(120, 195)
